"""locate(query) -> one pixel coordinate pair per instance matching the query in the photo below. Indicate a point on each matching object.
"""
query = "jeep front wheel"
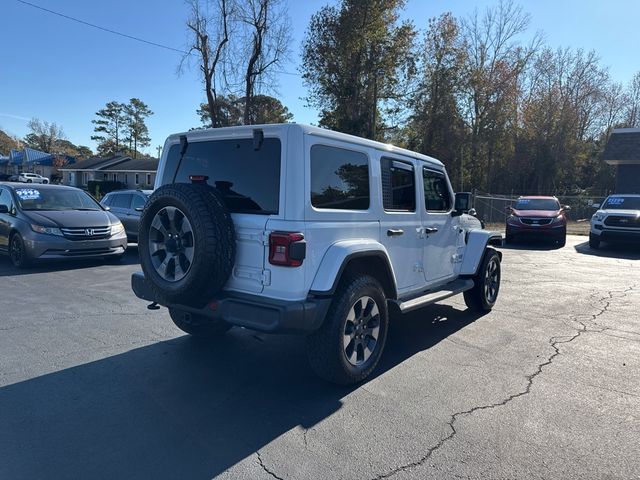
(348, 346)
(482, 297)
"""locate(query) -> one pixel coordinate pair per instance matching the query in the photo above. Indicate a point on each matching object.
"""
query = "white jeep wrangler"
(297, 229)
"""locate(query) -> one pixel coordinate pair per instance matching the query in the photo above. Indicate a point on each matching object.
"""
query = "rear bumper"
(251, 311)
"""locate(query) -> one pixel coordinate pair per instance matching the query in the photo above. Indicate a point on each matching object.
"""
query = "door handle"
(394, 232)
(429, 230)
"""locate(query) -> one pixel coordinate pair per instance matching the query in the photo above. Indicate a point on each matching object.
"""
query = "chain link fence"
(492, 208)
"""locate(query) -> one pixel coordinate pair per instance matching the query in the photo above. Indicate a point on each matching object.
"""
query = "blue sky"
(62, 71)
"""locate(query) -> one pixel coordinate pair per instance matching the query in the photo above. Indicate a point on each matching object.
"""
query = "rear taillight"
(287, 249)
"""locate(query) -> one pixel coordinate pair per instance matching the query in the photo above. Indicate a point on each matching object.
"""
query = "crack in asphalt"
(554, 342)
(264, 467)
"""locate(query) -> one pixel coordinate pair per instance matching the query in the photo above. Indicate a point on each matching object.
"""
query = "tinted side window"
(107, 200)
(5, 198)
(121, 200)
(436, 192)
(138, 201)
(248, 179)
(398, 185)
(339, 178)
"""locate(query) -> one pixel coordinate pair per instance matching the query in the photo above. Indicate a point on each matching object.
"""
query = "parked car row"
(24, 177)
(56, 222)
(617, 219)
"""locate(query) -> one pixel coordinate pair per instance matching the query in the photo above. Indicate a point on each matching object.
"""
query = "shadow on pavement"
(45, 266)
(181, 408)
(627, 251)
(531, 244)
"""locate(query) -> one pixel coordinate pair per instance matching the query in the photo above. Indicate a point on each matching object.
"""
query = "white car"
(32, 178)
(296, 229)
(617, 219)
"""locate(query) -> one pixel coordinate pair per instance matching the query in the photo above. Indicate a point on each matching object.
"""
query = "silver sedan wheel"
(171, 244)
(361, 330)
(492, 280)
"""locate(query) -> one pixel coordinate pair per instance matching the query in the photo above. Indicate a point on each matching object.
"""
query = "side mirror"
(566, 208)
(462, 203)
(472, 212)
(106, 208)
(4, 209)
(139, 209)
(595, 205)
(509, 208)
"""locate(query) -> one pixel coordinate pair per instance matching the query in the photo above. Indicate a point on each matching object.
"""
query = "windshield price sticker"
(616, 201)
(523, 201)
(28, 194)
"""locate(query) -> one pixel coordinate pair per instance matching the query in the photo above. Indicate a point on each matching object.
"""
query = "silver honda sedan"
(40, 222)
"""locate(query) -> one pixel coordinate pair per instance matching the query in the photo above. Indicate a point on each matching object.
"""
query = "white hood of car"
(617, 211)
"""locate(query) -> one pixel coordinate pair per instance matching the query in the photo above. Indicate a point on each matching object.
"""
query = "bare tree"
(632, 114)
(493, 76)
(210, 36)
(267, 32)
(43, 135)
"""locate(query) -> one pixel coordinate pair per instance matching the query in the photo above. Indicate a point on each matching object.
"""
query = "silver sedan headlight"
(46, 230)
(117, 228)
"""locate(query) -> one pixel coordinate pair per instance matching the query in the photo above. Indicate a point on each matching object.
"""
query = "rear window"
(121, 200)
(249, 180)
(339, 178)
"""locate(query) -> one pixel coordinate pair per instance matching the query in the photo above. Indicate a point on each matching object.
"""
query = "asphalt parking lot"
(94, 385)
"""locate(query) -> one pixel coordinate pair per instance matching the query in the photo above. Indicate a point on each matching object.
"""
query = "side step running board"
(447, 290)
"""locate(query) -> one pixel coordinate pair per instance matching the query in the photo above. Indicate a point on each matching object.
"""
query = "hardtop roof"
(242, 130)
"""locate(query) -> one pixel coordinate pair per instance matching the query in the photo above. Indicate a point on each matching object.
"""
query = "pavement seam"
(264, 467)
(554, 341)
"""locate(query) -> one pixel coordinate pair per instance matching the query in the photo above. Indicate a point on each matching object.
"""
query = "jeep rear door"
(249, 181)
(400, 221)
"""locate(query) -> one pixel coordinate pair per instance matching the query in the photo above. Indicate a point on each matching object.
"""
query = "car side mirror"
(595, 205)
(472, 212)
(566, 208)
(4, 209)
(139, 209)
(509, 209)
(462, 203)
(106, 208)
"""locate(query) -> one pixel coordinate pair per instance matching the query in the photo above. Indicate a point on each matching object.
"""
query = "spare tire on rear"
(186, 243)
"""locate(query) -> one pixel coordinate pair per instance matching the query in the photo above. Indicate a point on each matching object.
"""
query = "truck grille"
(536, 221)
(86, 233)
(621, 221)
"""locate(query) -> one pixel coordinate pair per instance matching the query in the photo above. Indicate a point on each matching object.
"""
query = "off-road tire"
(17, 252)
(477, 298)
(198, 326)
(213, 242)
(325, 347)
(594, 241)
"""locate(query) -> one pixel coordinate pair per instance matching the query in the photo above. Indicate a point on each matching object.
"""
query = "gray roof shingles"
(116, 163)
(623, 145)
